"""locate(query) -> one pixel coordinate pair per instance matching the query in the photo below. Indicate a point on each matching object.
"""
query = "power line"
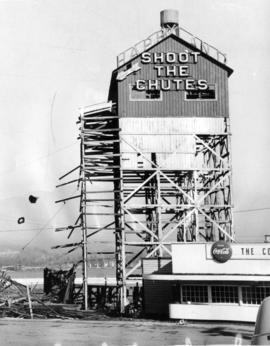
(44, 227)
(38, 159)
(13, 220)
(251, 210)
(25, 230)
(12, 217)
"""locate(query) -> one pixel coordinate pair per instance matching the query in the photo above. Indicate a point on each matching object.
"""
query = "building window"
(128, 66)
(144, 95)
(194, 294)
(208, 94)
(255, 294)
(225, 294)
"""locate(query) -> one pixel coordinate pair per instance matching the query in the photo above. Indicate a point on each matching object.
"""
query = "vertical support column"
(120, 230)
(158, 216)
(29, 301)
(195, 179)
(240, 296)
(209, 291)
(228, 138)
(123, 290)
(85, 262)
(84, 232)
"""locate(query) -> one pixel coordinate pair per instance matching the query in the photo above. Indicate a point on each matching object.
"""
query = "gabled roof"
(188, 45)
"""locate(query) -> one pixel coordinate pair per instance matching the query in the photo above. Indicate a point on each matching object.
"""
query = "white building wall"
(219, 312)
(171, 139)
(196, 259)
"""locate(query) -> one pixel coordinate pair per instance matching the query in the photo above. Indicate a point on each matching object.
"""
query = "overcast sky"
(57, 56)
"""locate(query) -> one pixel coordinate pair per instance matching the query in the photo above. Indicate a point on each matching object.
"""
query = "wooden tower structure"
(162, 144)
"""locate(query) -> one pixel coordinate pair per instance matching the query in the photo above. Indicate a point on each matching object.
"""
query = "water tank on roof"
(169, 18)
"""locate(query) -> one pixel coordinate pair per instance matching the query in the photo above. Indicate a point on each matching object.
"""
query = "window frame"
(193, 302)
(210, 294)
(239, 289)
(143, 100)
(258, 301)
(237, 302)
(200, 99)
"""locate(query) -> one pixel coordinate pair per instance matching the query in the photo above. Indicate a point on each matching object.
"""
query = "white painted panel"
(176, 161)
(159, 144)
(193, 259)
(170, 138)
(135, 161)
(171, 125)
(166, 161)
(172, 152)
(248, 251)
(218, 312)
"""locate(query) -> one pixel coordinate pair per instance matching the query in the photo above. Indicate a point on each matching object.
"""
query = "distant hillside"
(40, 257)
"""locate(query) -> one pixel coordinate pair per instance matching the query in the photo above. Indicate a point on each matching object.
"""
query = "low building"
(206, 281)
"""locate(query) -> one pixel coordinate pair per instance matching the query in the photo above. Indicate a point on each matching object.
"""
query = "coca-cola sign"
(221, 251)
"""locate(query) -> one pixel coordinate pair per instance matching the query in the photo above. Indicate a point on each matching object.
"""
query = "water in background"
(38, 273)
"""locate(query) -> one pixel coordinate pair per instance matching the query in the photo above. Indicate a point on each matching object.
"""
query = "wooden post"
(195, 177)
(158, 212)
(84, 243)
(123, 289)
(29, 302)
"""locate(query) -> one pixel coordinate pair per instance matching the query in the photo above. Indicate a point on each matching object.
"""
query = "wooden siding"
(173, 102)
(170, 139)
(157, 294)
(156, 265)
(161, 126)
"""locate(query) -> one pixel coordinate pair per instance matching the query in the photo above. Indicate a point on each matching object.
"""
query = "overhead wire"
(10, 219)
(14, 220)
(251, 210)
(24, 230)
(49, 228)
(43, 228)
(38, 159)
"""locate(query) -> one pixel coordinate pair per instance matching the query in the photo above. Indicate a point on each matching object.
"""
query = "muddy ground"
(119, 333)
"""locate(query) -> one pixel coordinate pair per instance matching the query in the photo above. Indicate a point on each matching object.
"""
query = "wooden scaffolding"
(148, 209)
(159, 206)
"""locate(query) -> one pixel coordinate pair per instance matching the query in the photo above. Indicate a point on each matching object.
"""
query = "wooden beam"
(67, 199)
(73, 170)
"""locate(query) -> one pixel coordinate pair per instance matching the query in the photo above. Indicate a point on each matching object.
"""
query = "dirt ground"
(119, 333)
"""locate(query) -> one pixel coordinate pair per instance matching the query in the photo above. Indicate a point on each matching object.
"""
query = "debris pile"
(17, 300)
(59, 285)
(61, 300)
